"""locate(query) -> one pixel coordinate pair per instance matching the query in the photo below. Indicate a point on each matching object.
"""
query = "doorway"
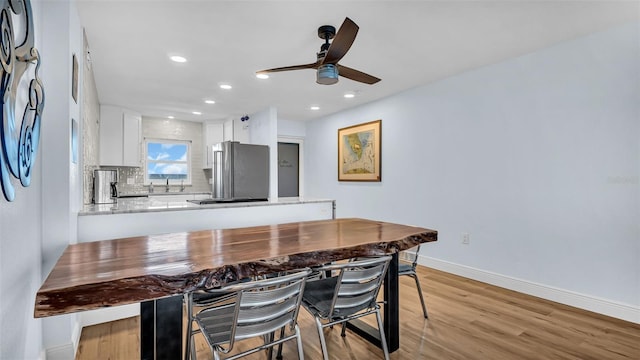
(288, 169)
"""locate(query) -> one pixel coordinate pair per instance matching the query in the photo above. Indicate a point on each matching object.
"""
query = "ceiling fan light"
(327, 74)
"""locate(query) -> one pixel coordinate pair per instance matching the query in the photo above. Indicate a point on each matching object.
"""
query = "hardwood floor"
(467, 320)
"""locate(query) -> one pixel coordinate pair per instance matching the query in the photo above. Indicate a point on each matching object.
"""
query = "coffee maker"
(104, 186)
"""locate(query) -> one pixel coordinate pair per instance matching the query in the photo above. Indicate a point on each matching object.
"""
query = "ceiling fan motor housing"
(326, 32)
(327, 74)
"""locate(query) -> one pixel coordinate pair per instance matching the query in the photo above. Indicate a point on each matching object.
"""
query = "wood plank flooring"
(468, 320)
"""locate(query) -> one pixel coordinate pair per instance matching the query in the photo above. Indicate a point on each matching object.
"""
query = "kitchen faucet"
(167, 188)
(181, 185)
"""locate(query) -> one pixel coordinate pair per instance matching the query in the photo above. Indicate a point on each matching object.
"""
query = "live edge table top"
(107, 273)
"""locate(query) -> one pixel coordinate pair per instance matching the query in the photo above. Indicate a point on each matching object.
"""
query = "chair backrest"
(260, 307)
(357, 286)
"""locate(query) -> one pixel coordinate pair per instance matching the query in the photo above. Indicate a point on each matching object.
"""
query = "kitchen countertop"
(161, 193)
(155, 203)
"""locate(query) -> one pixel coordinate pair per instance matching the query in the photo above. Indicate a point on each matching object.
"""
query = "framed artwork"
(74, 80)
(359, 152)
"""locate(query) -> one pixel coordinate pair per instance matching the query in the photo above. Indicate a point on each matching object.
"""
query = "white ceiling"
(405, 43)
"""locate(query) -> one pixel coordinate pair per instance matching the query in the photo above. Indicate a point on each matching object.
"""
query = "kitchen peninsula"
(162, 214)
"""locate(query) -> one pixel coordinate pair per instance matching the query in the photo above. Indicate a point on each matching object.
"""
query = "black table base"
(161, 329)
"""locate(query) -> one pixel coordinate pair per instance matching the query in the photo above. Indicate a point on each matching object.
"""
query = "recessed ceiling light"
(315, 108)
(178, 59)
(349, 95)
(171, 117)
(225, 86)
(262, 76)
(196, 113)
(210, 101)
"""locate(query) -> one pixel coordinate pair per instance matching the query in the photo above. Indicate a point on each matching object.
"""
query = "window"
(168, 160)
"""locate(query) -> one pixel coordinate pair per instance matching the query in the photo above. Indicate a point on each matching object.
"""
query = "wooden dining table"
(156, 270)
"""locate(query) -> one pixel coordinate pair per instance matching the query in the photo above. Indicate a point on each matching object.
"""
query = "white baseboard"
(586, 302)
(93, 317)
(75, 337)
(66, 351)
(88, 318)
(62, 352)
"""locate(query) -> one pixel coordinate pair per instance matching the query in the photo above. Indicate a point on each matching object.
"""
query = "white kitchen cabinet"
(120, 131)
(213, 133)
(131, 126)
(236, 130)
(228, 130)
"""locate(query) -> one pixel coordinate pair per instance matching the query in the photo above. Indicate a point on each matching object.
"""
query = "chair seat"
(318, 294)
(404, 269)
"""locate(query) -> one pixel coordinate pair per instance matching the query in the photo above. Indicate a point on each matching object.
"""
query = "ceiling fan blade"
(341, 42)
(294, 67)
(356, 75)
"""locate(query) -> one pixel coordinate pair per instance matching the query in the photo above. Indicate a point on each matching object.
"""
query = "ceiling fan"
(327, 66)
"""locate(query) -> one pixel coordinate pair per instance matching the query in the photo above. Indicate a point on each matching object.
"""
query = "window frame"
(147, 161)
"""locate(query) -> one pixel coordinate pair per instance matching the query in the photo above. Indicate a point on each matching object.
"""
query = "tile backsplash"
(158, 128)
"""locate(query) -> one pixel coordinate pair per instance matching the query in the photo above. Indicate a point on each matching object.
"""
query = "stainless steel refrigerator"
(240, 171)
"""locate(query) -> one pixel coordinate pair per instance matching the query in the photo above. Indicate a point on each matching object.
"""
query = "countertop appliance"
(104, 186)
(240, 172)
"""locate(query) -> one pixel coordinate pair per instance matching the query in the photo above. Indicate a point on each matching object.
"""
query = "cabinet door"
(241, 131)
(228, 130)
(110, 136)
(131, 140)
(213, 134)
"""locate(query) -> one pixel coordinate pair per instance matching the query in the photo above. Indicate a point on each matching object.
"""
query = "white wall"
(291, 128)
(61, 38)
(20, 253)
(537, 158)
(263, 130)
(37, 226)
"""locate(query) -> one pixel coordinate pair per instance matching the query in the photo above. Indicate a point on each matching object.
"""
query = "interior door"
(288, 169)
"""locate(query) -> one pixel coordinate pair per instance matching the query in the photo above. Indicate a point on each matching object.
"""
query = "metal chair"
(348, 295)
(409, 269)
(245, 310)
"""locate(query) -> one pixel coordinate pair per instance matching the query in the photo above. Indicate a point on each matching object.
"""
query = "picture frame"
(74, 79)
(359, 152)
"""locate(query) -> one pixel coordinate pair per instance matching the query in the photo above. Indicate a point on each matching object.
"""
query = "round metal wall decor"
(21, 95)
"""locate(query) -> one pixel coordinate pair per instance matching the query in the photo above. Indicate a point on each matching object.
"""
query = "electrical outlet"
(465, 238)
(130, 181)
(210, 181)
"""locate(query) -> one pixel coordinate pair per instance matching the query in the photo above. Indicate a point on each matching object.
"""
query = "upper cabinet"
(120, 131)
(219, 131)
(213, 133)
(236, 130)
